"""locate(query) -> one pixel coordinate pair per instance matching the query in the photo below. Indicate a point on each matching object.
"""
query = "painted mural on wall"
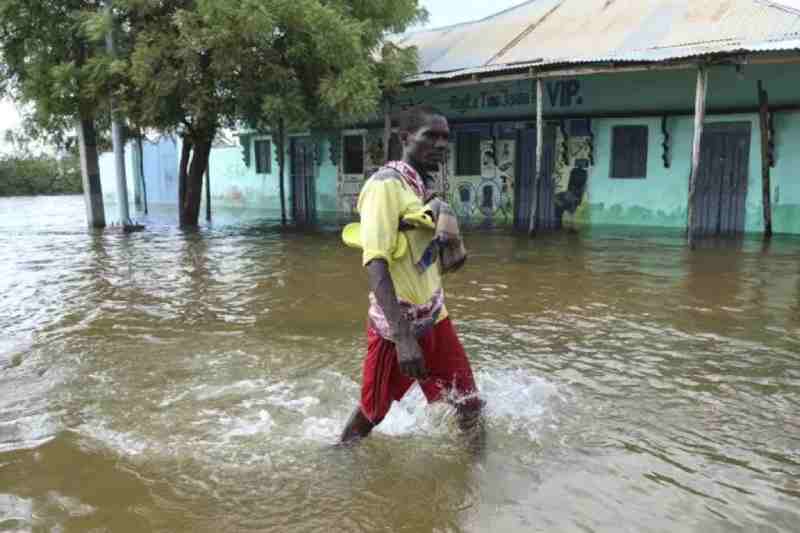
(574, 156)
(488, 198)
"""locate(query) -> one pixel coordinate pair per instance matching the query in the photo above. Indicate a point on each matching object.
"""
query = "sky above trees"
(447, 12)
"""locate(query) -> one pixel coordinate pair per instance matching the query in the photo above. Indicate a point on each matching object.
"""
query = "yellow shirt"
(384, 200)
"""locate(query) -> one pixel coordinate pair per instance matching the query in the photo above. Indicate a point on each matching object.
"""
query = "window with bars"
(468, 153)
(353, 154)
(263, 151)
(629, 152)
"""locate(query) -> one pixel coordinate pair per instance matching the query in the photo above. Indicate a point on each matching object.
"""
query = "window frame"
(459, 169)
(617, 173)
(267, 160)
(362, 137)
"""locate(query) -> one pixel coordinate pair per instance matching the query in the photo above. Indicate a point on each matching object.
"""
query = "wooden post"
(763, 112)
(183, 173)
(539, 155)
(281, 165)
(699, 118)
(137, 176)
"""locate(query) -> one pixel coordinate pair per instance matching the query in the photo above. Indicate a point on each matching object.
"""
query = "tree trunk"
(183, 176)
(90, 171)
(387, 130)
(193, 192)
(90, 161)
(140, 146)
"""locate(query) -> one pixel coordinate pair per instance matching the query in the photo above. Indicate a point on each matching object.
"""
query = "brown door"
(721, 188)
(303, 181)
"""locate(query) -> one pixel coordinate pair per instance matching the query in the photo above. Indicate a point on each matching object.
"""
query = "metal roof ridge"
(524, 33)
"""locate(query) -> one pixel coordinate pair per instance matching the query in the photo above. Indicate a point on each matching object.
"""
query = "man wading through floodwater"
(409, 239)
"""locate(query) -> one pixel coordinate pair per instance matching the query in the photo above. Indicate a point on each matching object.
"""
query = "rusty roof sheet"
(556, 32)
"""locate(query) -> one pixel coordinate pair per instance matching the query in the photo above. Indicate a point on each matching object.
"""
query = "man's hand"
(409, 354)
(410, 358)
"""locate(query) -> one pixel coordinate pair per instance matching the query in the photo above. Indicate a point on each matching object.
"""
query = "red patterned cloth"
(450, 375)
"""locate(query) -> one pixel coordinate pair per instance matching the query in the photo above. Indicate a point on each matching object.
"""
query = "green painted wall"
(618, 93)
(786, 175)
(660, 199)
(236, 185)
(328, 171)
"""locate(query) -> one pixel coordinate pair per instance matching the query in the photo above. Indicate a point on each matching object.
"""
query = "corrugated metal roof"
(564, 32)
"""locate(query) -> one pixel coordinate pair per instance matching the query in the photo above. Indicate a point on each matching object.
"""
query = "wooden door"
(721, 190)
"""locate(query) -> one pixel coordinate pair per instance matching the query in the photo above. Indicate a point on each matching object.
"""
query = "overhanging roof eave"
(585, 68)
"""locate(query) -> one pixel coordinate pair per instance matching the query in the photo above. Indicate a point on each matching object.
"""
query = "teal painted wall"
(327, 174)
(661, 199)
(658, 200)
(237, 185)
(263, 190)
(786, 175)
(618, 93)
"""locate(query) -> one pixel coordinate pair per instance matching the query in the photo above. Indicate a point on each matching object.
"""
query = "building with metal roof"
(679, 114)
(543, 34)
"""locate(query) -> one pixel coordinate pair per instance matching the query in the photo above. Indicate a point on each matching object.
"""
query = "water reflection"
(193, 381)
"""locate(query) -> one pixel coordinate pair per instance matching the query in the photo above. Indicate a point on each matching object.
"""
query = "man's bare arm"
(409, 354)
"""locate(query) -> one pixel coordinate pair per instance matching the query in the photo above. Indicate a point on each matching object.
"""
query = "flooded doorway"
(526, 156)
(721, 189)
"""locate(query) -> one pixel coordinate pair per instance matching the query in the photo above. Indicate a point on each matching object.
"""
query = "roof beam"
(532, 72)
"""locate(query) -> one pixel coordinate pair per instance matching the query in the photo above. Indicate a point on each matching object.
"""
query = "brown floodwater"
(195, 381)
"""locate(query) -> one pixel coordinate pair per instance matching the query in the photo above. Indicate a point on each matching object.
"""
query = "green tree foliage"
(29, 175)
(48, 60)
(27, 170)
(195, 66)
